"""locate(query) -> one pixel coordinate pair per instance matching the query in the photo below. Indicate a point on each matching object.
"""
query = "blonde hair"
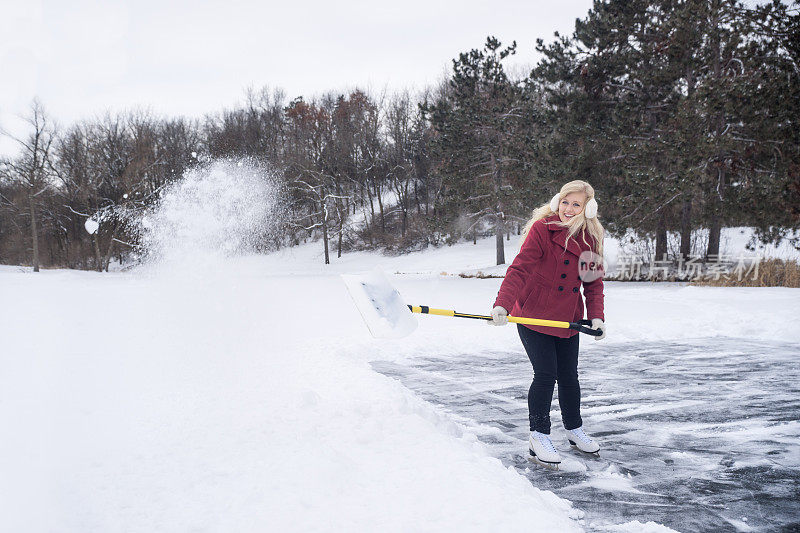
(579, 223)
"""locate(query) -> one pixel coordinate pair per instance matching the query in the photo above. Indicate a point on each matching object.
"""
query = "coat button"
(566, 261)
(563, 276)
(574, 289)
(560, 287)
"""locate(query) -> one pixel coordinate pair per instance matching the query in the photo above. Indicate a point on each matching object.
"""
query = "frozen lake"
(697, 434)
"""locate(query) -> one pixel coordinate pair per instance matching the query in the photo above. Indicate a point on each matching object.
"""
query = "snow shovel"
(388, 316)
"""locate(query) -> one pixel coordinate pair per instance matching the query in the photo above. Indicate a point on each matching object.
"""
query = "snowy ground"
(226, 399)
(239, 395)
(212, 394)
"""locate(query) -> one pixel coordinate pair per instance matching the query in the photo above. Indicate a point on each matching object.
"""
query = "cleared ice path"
(698, 435)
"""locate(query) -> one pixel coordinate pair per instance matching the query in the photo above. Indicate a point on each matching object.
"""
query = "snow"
(638, 527)
(612, 480)
(225, 397)
(380, 305)
(634, 311)
(217, 390)
(91, 226)
(228, 403)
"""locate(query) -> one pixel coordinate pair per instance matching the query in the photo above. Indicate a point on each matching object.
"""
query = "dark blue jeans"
(553, 359)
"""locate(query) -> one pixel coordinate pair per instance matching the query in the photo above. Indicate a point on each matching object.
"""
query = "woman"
(562, 251)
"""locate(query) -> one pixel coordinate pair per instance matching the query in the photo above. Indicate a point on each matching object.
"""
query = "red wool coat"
(543, 280)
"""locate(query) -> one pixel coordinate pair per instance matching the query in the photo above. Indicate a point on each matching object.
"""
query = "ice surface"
(697, 435)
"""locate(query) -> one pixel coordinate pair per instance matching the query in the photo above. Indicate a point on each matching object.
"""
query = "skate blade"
(550, 466)
(575, 447)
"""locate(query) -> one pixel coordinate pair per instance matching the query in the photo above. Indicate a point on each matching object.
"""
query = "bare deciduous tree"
(31, 168)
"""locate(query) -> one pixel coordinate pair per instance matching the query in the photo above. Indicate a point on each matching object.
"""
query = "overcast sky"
(82, 58)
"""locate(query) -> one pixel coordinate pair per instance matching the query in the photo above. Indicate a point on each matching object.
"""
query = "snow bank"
(141, 405)
(663, 311)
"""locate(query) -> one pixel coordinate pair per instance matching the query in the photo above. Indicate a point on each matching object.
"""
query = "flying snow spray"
(223, 209)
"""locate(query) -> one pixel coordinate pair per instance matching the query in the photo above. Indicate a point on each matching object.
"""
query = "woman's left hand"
(599, 324)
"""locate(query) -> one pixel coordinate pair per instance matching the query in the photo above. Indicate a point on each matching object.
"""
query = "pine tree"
(618, 91)
(476, 122)
(669, 105)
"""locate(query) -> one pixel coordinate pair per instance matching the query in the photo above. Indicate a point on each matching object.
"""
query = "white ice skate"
(542, 450)
(582, 441)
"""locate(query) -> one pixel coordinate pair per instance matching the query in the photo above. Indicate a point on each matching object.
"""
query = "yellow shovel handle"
(539, 322)
(519, 320)
(580, 325)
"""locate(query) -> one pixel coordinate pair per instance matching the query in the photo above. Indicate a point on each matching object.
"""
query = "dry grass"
(771, 273)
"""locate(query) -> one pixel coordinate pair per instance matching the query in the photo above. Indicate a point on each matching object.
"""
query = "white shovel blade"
(386, 314)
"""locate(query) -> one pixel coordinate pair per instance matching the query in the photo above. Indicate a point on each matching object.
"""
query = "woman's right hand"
(499, 316)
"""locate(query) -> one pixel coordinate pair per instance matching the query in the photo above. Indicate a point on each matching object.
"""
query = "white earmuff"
(554, 203)
(591, 209)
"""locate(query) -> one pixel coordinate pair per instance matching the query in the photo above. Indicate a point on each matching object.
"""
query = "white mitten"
(499, 316)
(599, 324)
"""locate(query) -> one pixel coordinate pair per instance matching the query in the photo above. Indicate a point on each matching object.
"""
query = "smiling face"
(571, 205)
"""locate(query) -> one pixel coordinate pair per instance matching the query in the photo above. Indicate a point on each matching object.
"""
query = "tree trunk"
(715, 228)
(110, 253)
(501, 254)
(713, 237)
(34, 232)
(110, 250)
(343, 208)
(380, 207)
(98, 261)
(686, 228)
(325, 233)
(661, 236)
(718, 126)
(500, 216)
(426, 199)
(371, 207)
(341, 232)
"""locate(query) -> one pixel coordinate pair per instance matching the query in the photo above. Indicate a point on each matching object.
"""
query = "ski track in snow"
(698, 435)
